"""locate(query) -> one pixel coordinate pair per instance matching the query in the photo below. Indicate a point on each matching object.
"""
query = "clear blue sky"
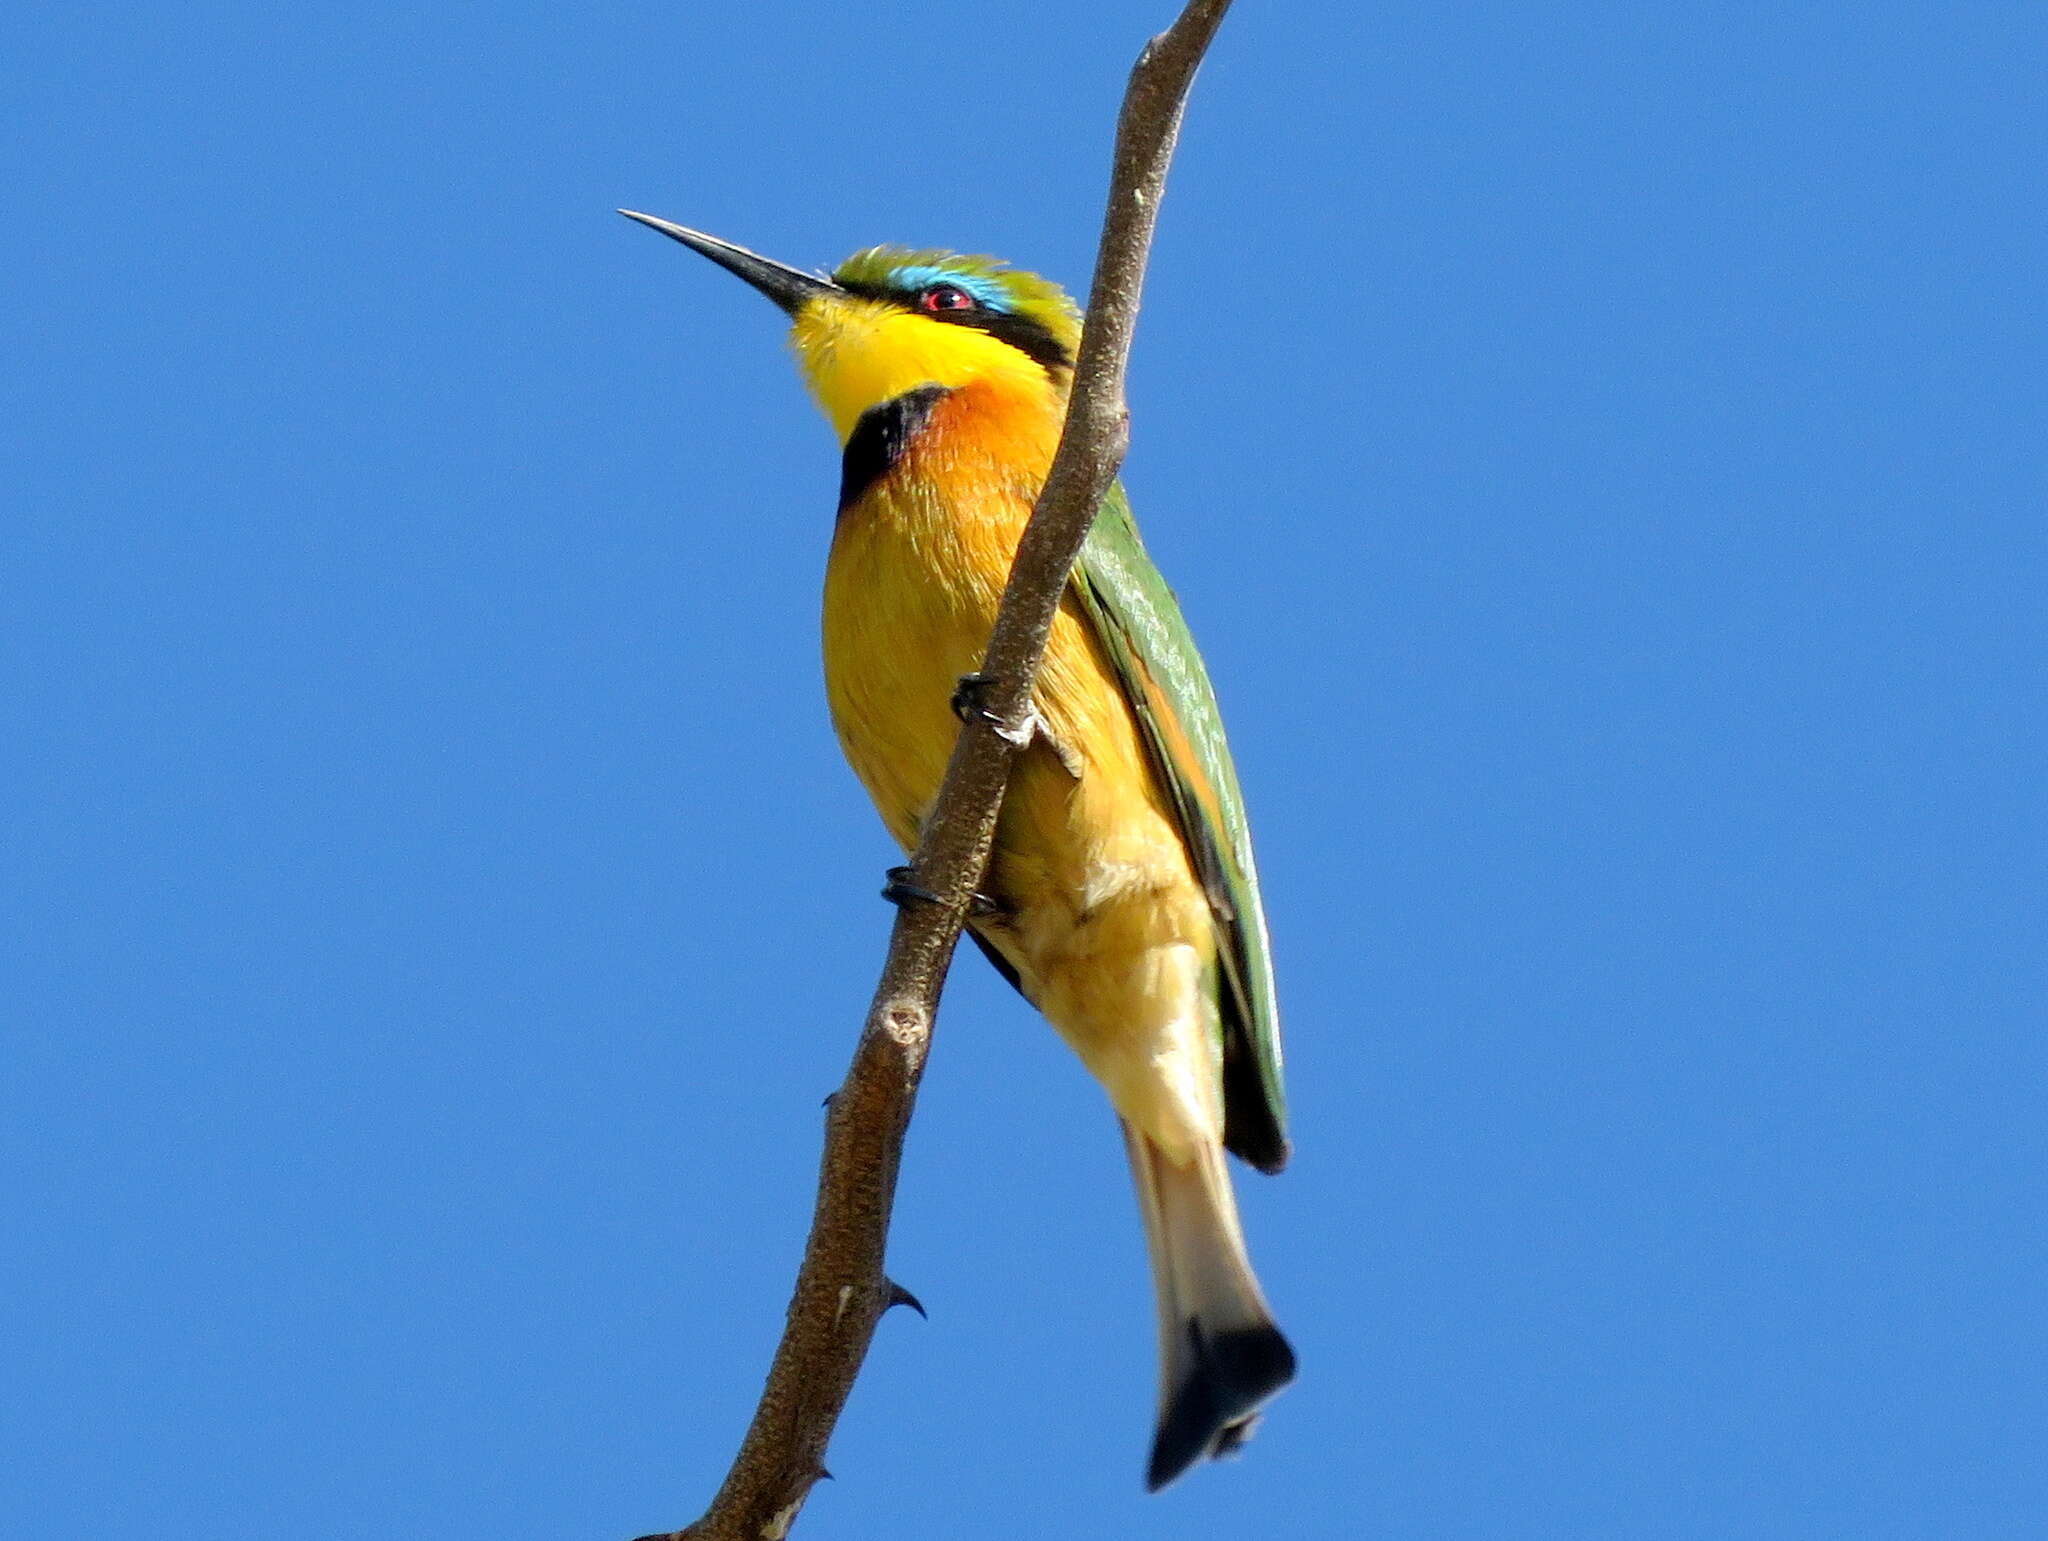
(1600, 449)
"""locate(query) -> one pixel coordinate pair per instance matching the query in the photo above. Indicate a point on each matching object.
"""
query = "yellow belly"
(1102, 916)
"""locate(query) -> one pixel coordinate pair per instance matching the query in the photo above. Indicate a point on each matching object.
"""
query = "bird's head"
(890, 320)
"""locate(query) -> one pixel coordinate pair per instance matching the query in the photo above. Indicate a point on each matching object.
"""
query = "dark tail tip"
(1225, 1379)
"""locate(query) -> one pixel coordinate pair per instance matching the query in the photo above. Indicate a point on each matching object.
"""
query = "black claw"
(900, 891)
(981, 906)
(826, 1476)
(899, 1296)
(970, 698)
(970, 704)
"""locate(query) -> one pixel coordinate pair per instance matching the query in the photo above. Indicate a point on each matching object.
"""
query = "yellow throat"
(855, 353)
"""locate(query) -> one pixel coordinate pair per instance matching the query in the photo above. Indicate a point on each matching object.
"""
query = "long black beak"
(785, 286)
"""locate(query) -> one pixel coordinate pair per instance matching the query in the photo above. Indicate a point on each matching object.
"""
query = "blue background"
(1600, 448)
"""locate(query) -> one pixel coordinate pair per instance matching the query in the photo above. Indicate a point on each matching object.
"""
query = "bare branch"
(841, 1289)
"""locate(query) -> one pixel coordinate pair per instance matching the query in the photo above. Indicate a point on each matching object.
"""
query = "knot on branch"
(905, 1022)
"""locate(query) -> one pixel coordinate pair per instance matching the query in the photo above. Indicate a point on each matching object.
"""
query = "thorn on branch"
(899, 1296)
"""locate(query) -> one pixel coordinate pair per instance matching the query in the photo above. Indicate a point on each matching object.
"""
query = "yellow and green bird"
(1121, 898)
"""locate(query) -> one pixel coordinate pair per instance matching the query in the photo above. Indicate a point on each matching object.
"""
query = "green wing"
(1139, 624)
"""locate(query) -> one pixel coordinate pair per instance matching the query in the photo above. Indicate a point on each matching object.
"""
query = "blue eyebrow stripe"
(986, 292)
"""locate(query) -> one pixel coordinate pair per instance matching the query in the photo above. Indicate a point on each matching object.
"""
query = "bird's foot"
(970, 698)
(900, 891)
(970, 704)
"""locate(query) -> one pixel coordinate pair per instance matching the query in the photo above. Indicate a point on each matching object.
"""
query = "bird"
(1121, 897)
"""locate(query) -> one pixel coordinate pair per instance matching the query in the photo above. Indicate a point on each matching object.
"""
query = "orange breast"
(916, 571)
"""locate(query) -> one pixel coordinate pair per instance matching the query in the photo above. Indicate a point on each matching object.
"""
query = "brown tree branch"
(841, 1289)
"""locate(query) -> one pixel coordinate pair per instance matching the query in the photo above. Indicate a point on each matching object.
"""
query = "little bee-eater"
(1121, 897)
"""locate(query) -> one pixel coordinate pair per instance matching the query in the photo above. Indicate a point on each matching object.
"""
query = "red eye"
(945, 297)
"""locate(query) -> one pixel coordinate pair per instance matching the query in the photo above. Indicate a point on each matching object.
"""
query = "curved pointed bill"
(784, 285)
